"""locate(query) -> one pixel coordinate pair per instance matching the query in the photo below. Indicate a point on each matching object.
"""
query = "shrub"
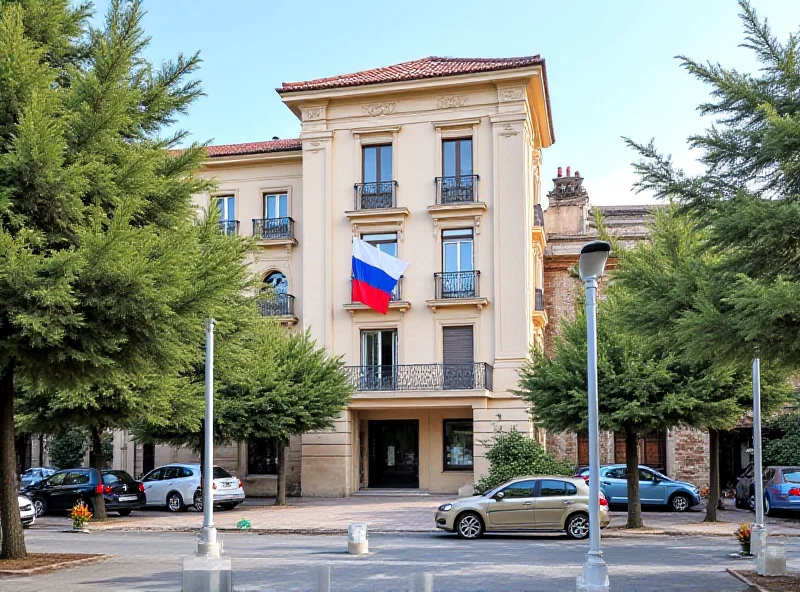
(782, 446)
(512, 454)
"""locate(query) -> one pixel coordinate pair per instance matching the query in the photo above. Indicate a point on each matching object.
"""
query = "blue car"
(655, 489)
(781, 489)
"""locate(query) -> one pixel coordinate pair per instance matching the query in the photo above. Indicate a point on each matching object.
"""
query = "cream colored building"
(436, 161)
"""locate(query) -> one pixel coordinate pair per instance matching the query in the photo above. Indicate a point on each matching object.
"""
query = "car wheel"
(124, 512)
(40, 506)
(767, 506)
(229, 505)
(751, 502)
(739, 503)
(578, 526)
(469, 526)
(679, 503)
(198, 502)
(175, 502)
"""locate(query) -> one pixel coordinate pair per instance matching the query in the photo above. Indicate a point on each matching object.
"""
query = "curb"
(745, 581)
(53, 566)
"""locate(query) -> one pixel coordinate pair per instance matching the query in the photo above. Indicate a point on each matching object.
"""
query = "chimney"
(277, 138)
(567, 171)
(559, 172)
(577, 174)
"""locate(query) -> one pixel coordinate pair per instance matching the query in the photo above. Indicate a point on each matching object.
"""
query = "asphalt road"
(285, 563)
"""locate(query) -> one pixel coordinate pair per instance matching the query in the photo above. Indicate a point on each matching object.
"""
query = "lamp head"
(593, 258)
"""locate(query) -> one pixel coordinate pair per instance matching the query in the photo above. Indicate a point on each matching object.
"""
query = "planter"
(82, 528)
(745, 548)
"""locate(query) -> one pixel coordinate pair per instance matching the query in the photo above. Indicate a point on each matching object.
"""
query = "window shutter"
(458, 347)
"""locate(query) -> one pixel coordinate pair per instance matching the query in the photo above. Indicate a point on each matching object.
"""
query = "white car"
(174, 486)
(27, 513)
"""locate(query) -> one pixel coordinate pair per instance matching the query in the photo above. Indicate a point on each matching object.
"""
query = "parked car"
(175, 487)
(524, 504)
(781, 489)
(27, 513)
(745, 493)
(655, 489)
(34, 475)
(63, 489)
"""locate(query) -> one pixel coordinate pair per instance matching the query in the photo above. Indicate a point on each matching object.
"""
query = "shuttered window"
(458, 357)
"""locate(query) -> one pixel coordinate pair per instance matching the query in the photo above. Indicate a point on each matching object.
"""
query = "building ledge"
(354, 307)
(457, 210)
(378, 215)
(289, 320)
(276, 242)
(539, 237)
(539, 318)
(479, 303)
(439, 398)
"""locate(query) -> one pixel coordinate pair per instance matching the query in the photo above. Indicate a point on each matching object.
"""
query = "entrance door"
(394, 453)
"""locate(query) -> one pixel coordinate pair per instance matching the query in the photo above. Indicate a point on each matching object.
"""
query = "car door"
(554, 499)
(614, 484)
(47, 488)
(188, 483)
(652, 490)
(151, 483)
(72, 490)
(169, 481)
(515, 509)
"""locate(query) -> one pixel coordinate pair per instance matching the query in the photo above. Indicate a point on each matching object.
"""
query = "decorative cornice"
(451, 102)
(376, 109)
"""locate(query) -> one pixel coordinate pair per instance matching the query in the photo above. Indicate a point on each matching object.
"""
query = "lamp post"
(207, 544)
(758, 534)
(591, 265)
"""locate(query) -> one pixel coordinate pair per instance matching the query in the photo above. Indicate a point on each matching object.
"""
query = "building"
(571, 222)
(435, 161)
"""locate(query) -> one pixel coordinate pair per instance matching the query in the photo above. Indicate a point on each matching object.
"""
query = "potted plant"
(80, 515)
(743, 536)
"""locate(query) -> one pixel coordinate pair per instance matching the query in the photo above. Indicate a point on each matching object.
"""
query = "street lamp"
(207, 544)
(759, 530)
(591, 265)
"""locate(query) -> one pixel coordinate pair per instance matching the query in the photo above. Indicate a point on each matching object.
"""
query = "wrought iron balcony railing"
(457, 284)
(538, 215)
(229, 227)
(273, 228)
(455, 190)
(376, 195)
(277, 305)
(539, 299)
(421, 377)
(396, 294)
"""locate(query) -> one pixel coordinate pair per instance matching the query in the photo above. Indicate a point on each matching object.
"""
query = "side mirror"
(499, 496)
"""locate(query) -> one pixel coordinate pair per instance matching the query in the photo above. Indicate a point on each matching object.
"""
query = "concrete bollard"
(422, 582)
(772, 560)
(357, 543)
(324, 578)
(207, 574)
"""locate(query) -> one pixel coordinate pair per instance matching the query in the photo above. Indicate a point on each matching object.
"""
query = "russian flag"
(375, 275)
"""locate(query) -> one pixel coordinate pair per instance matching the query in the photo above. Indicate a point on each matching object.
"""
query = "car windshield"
(220, 473)
(792, 475)
(111, 477)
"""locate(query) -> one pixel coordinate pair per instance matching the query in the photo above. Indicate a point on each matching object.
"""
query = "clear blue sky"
(610, 64)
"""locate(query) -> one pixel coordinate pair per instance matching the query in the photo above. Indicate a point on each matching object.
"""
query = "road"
(285, 563)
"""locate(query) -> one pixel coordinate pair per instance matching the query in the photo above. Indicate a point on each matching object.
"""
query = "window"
(56, 480)
(262, 456)
(458, 279)
(76, 478)
(171, 473)
(276, 205)
(457, 157)
(116, 477)
(227, 208)
(386, 242)
(154, 476)
(277, 282)
(458, 357)
(220, 473)
(646, 476)
(185, 472)
(552, 488)
(457, 444)
(377, 164)
(519, 489)
(618, 473)
(378, 360)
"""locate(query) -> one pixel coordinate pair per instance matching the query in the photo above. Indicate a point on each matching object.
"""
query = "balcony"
(395, 300)
(457, 288)
(457, 190)
(538, 232)
(378, 195)
(274, 230)
(539, 304)
(229, 227)
(539, 316)
(421, 377)
(279, 305)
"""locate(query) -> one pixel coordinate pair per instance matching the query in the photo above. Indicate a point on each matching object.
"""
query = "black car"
(62, 490)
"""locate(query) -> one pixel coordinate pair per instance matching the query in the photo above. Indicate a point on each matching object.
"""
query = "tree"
(782, 443)
(664, 285)
(68, 449)
(640, 392)
(512, 454)
(290, 387)
(105, 276)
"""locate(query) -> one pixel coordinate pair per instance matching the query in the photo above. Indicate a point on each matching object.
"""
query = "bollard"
(772, 561)
(207, 574)
(324, 578)
(422, 582)
(357, 543)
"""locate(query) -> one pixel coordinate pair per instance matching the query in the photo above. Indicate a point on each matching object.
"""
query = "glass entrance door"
(394, 453)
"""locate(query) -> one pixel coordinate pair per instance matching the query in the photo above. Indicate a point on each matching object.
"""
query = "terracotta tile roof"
(430, 67)
(254, 147)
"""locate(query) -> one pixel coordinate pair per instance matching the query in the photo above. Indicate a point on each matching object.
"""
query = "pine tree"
(105, 276)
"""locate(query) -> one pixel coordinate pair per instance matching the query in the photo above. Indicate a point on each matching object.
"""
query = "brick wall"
(561, 291)
(687, 455)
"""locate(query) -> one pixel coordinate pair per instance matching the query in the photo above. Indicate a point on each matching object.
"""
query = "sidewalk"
(415, 514)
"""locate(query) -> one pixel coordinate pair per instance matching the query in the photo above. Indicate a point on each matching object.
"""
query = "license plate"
(128, 498)
(227, 484)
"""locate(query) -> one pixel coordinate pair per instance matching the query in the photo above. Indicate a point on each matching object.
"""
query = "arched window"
(277, 281)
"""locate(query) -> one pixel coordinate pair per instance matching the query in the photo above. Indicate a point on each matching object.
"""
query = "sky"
(611, 65)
